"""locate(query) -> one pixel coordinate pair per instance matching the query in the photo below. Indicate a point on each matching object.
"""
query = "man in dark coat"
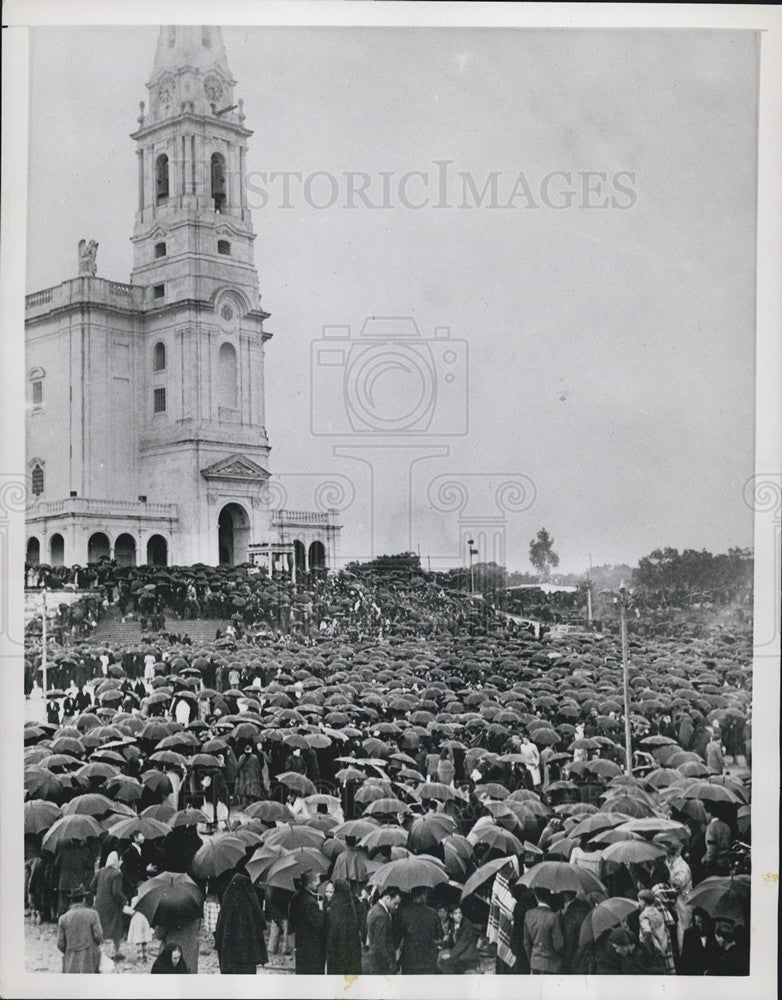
(76, 867)
(543, 939)
(240, 926)
(420, 931)
(133, 865)
(307, 922)
(343, 933)
(79, 935)
(381, 954)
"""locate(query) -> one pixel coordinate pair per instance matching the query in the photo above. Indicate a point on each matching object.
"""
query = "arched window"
(226, 376)
(160, 249)
(33, 554)
(57, 550)
(218, 181)
(161, 178)
(224, 247)
(206, 41)
(36, 477)
(157, 551)
(172, 36)
(159, 358)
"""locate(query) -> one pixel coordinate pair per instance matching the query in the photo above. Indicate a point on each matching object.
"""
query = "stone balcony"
(85, 289)
(111, 509)
(303, 518)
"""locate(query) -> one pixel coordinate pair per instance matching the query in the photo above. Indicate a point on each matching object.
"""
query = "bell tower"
(193, 229)
(201, 363)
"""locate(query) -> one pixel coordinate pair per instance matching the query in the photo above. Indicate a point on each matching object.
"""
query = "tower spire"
(190, 72)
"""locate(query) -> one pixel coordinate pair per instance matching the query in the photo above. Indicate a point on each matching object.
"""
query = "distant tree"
(542, 554)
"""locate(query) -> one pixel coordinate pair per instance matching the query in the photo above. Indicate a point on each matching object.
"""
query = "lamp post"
(622, 601)
(472, 552)
(44, 652)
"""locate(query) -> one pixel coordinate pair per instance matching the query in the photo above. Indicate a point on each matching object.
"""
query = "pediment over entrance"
(238, 468)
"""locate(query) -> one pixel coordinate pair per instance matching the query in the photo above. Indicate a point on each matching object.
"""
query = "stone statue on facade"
(88, 253)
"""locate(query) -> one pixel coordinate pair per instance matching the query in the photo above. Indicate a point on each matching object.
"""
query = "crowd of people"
(369, 773)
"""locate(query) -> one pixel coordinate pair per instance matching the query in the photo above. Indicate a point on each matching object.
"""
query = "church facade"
(145, 418)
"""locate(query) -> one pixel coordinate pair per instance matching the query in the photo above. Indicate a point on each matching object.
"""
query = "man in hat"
(79, 935)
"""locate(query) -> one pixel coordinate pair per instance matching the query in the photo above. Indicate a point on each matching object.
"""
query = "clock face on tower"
(213, 89)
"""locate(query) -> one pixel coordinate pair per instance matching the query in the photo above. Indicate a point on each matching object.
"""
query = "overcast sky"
(610, 350)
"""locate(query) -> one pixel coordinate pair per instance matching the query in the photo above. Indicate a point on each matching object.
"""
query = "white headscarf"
(112, 861)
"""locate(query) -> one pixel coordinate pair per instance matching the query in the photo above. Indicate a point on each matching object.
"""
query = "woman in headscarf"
(343, 932)
(240, 926)
(170, 960)
(110, 901)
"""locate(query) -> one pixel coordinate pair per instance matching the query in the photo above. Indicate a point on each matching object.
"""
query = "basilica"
(145, 420)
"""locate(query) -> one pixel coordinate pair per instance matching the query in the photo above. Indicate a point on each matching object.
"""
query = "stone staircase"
(112, 631)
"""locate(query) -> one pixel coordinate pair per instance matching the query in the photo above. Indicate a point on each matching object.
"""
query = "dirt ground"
(41, 954)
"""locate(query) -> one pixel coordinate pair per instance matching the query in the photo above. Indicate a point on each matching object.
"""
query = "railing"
(84, 505)
(85, 288)
(301, 516)
(38, 298)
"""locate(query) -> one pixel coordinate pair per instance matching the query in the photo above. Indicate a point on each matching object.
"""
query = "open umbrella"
(270, 811)
(297, 782)
(386, 806)
(39, 815)
(170, 899)
(292, 837)
(285, 870)
(152, 829)
(711, 893)
(561, 876)
(497, 838)
(429, 830)
(75, 827)
(385, 836)
(604, 916)
(218, 855)
(187, 817)
(354, 828)
(482, 875)
(263, 858)
(410, 873)
(632, 852)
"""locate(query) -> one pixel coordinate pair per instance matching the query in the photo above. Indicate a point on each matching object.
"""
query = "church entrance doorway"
(157, 551)
(233, 533)
(317, 555)
(125, 550)
(98, 547)
(57, 550)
